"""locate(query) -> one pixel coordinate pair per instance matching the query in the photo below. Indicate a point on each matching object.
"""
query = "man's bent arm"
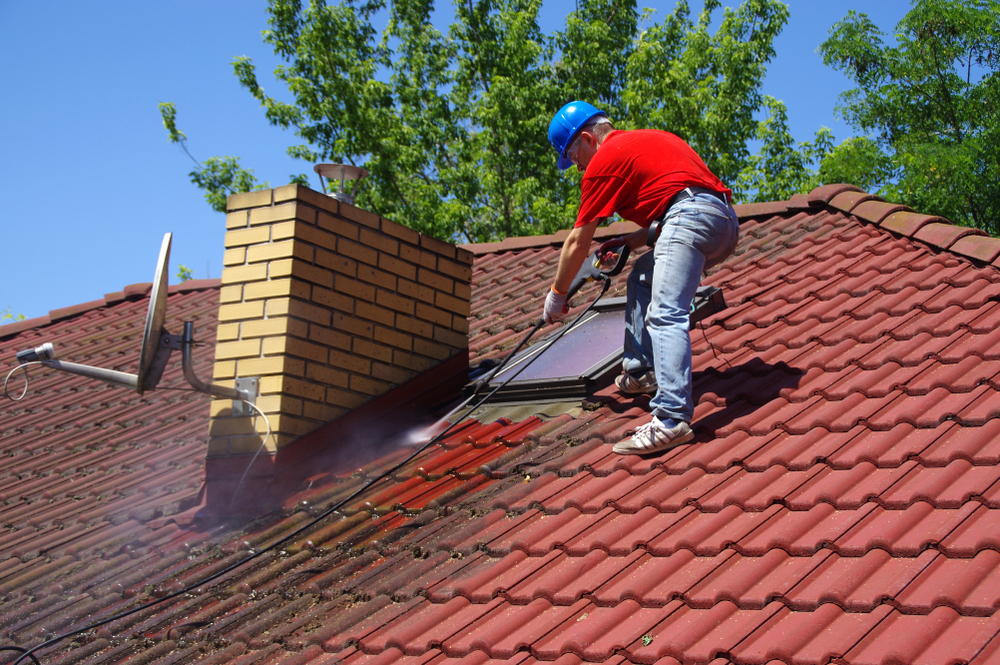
(574, 252)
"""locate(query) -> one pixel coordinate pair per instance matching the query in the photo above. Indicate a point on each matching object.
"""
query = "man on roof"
(656, 180)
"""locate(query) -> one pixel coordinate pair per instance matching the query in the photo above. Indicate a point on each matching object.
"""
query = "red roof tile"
(841, 498)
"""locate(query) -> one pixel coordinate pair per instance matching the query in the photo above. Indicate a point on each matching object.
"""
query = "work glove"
(607, 251)
(555, 307)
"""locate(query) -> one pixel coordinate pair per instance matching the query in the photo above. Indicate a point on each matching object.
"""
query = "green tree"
(452, 127)
(928, 108)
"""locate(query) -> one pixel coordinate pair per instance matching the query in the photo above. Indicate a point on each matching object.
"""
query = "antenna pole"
(212, 389)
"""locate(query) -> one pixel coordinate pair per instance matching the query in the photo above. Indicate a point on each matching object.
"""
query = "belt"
(683, 195)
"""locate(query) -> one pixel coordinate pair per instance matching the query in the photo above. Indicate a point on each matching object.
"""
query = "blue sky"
(91, 183)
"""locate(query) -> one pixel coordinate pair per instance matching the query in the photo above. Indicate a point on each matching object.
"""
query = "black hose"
(30, 653)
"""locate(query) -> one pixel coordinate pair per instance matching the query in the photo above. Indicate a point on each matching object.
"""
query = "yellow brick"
(463, 291)
(323, 412)
(345, 399)
(264, 327)
(460, 324)
(415, 326)
(225, 369)
(416, 363)
(355, 288)
(415, 291)
(240, 311)
(377, 277)
(336, 262)
(237, 274)
(395, 302)
(249, 348)
(276, 288)
(360, 216)
(230, 426)
(270, 384)
(316, 236)
(331, 299)
(301, 270)
(220, 407)
(260, 197)
(464, 256)
(282, 230)
(393, 375)
(393, 338)
(234, 257)
(363, 347)
(248, 236)
(300, 348)
(354, 326)
(374, 313)
(330, 338)
(328, 376)
(250, 445)
(281, 213)
(226, 332)
(457, 270)
(412, 255)
(434, 245)
(432, 349)
(395, 230)
(436, 281)
(451, 304)
(451, 338)
(350, 362)
(299, 388)
(380, 242)
(433, 314)
(262, 366)
(280, 404)
(237, 220)
(357, 252)
(286, 249)
(338, 226)
(298, 309)
(218, 446)
(368, 386)
(293, 425)
(428, 260)
(307, 195)
(274, 346)
(230, 294)
(397, 267)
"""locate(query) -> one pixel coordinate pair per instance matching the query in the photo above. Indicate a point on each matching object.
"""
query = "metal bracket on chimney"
(249, 386)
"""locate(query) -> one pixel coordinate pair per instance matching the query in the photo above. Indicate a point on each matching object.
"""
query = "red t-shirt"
(636, 173)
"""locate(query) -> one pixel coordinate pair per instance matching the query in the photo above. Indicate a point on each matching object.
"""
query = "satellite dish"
(154, 354)
(155, 316)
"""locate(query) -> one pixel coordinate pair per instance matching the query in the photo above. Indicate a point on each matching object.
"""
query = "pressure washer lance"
(590, 271)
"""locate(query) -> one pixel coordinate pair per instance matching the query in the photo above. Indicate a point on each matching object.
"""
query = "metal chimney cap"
(340, 171)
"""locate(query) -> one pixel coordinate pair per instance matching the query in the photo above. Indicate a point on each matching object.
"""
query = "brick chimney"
(330, 306)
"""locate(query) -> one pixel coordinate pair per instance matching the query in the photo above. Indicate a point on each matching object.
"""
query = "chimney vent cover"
(343, 173)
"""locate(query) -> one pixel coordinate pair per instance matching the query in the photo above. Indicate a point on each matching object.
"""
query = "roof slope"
(840, 502)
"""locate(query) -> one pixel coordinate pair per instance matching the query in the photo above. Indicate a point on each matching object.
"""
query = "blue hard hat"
(565, 125)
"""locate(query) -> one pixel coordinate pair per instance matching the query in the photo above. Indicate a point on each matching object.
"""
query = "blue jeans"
(698, 233)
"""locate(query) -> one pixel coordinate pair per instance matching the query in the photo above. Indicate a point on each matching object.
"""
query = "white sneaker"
(654, 437)
(643, 384)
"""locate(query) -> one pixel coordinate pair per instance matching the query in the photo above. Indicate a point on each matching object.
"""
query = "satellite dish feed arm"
(211, 388)
(114, 377)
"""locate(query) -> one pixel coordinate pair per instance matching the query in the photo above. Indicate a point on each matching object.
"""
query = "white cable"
(253, 459)
(24, 392)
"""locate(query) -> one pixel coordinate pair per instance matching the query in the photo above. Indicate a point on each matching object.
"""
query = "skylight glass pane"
(589, 344)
